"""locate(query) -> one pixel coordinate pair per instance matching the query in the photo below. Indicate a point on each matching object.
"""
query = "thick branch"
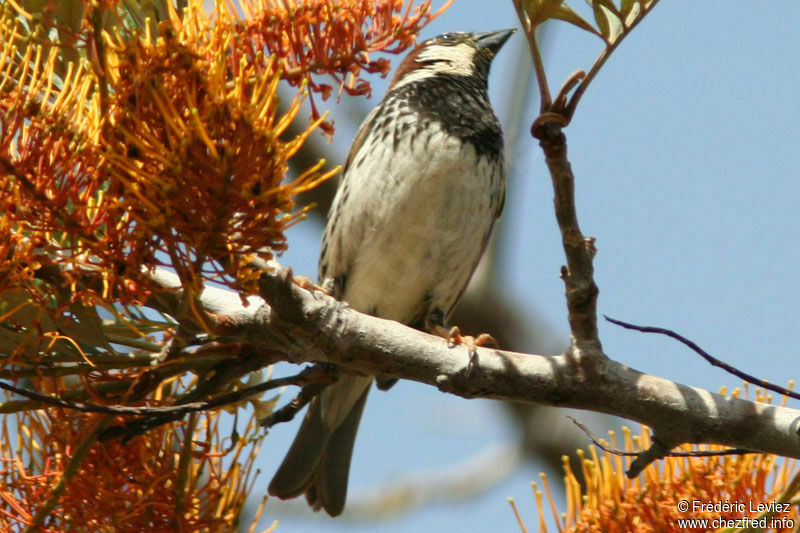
(314, 327)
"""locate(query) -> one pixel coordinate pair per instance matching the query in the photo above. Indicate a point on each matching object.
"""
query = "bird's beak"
(492, 40)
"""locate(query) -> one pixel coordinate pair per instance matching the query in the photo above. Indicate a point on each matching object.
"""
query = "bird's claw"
(305, 283)
(455, 338)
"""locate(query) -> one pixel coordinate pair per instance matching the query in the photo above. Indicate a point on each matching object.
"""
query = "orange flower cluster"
(333, 37)
(665, 495)
(134, 486)
(49, 158)
(166, 145)
(196, 155)
(134, 136)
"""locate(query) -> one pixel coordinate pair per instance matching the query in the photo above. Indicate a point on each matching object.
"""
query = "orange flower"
(132, 139)
(124, 486)
(676, 494)
(165, 146)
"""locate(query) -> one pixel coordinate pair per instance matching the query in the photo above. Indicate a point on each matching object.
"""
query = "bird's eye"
(448, 37)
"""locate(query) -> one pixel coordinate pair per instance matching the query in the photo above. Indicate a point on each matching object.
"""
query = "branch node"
(327, 375)
(589, 243)
(279, 290)
(548, 125)
(657, 451)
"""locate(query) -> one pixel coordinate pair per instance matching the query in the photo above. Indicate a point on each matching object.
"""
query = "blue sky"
(686, 164)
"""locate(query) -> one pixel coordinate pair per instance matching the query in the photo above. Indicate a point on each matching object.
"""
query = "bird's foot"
(455, 338)
(305, 283)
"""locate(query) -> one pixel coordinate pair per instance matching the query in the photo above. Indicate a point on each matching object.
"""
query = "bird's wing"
(334, 260)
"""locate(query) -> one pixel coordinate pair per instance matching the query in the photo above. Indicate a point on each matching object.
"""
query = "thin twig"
(708, 357)
(288, 411)
(108, 388)
(600, 61)
(185, 472)
(73, 369)
(541, 76)
(625, 453)
(151, 378)
(563, 95)
(309, 375)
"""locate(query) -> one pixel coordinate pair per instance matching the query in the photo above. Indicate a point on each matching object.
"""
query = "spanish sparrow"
(421, 189)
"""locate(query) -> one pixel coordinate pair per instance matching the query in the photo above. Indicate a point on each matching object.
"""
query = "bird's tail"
(318, 461)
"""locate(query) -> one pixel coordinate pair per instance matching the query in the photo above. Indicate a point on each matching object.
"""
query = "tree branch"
(312, 326)
(710, 358)
(578, 275)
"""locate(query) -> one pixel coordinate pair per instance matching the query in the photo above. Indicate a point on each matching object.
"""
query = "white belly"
(422, 243)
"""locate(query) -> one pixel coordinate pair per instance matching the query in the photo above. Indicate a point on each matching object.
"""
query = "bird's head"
(454, 54)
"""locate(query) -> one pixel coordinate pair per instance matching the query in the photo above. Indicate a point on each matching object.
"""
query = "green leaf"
(565, 13)
(633, 14)
(541, 10)
(615, 23)
(608, 22)
(82, 324)
(602, 21)
(86, 327)
(10, 340)
(626, 6)
(609, 4)
(141, 10)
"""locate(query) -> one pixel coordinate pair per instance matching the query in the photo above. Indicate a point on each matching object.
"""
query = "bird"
(421, 189)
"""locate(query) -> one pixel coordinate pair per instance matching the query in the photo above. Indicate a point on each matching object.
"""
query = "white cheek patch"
(450, 59)
(438, 59)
